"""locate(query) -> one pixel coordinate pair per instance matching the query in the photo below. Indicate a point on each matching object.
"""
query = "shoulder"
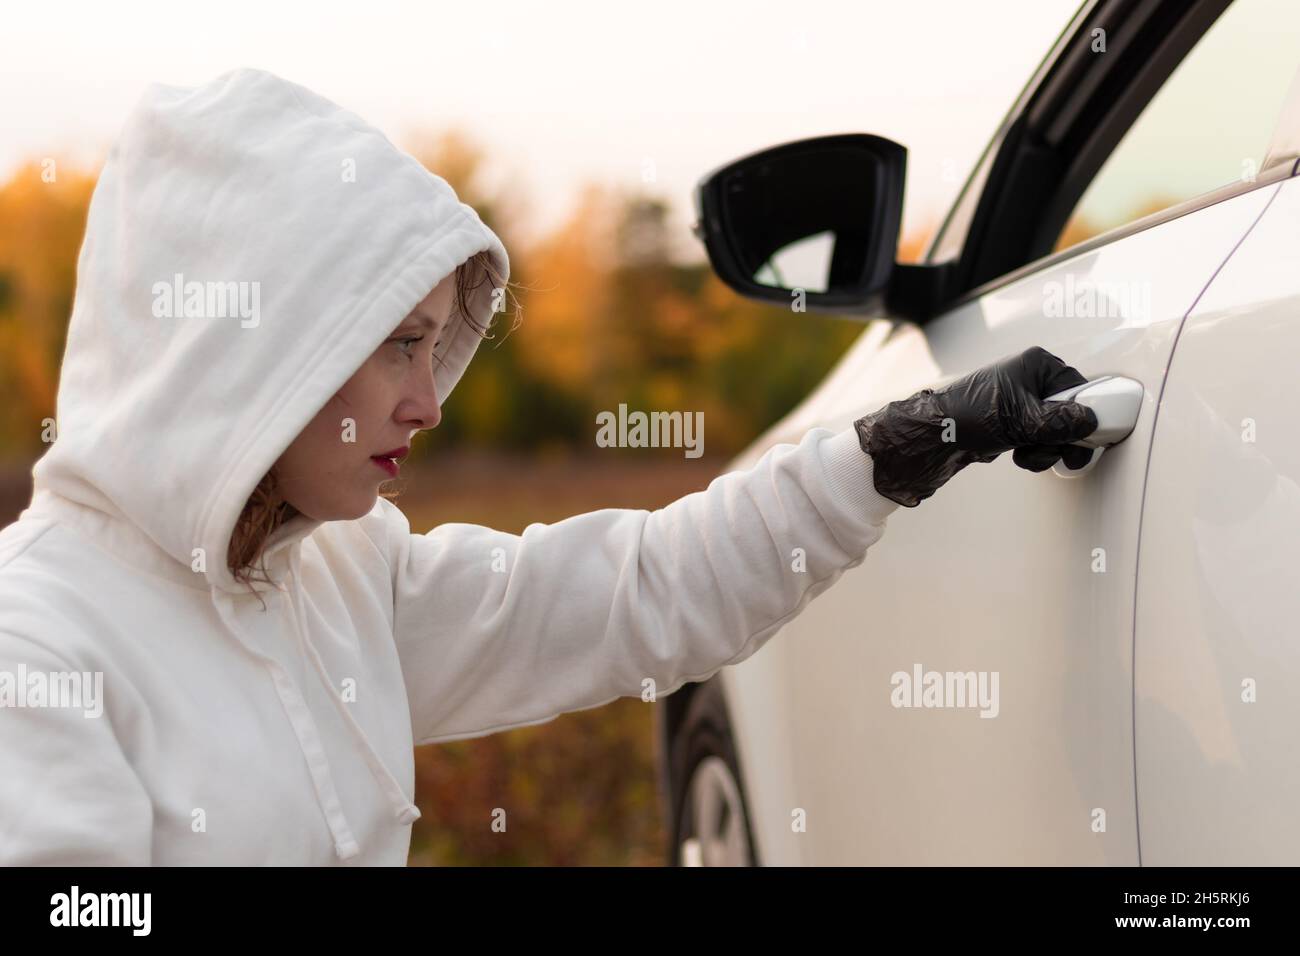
(38, 556)
(19, 537)
(375, 535)
(45, 602)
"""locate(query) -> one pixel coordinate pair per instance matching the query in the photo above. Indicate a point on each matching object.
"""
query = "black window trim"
(960, 213)
(1066, 123)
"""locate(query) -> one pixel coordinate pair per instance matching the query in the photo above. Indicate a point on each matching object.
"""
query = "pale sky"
(559, 93)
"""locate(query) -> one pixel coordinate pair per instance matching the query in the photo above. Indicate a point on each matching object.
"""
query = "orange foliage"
(42, 219)
(567, 275)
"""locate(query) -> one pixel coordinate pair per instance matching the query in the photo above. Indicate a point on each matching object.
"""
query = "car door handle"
(1116, 401)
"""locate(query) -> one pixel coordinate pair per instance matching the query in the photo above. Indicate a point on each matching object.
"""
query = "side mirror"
(820, 215)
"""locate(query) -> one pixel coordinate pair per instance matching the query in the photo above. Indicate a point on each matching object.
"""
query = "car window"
(1209, 125)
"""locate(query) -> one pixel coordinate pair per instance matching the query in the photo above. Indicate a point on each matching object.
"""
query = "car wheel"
(711, 817)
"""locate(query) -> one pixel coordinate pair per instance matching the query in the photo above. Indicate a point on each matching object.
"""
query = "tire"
(706, 789)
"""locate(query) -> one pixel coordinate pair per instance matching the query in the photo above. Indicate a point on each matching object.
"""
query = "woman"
(271, 301)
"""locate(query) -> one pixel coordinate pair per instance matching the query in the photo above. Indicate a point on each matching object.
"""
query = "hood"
(249, 244)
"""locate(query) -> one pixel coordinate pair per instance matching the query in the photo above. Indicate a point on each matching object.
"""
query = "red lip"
(387, 460)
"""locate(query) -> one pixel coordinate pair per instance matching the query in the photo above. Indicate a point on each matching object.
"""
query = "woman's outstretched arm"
(498, 630)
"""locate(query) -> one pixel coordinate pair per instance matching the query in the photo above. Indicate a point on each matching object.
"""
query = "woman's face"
(332, 471)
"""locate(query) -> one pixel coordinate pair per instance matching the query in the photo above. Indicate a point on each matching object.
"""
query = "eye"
(405, 344)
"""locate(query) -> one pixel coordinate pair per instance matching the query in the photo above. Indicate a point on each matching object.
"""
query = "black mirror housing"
(820, 215)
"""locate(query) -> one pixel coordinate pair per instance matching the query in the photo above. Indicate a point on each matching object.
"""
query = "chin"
(359, 509)
(347, 510)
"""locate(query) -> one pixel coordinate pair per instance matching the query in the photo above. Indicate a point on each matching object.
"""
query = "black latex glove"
(918, 443)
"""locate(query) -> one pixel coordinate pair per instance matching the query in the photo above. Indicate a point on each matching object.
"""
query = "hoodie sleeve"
(68, 796)
(497, 631)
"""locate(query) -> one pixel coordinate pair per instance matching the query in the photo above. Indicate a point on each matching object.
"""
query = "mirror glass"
(803, 264)
(802, 219)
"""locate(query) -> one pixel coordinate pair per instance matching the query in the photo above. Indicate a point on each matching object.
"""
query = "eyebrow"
(425, 322)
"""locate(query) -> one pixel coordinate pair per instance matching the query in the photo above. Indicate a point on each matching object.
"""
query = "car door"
(1217, 659)
(1019, 587)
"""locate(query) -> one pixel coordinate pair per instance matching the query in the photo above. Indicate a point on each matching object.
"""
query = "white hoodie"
(229, 733)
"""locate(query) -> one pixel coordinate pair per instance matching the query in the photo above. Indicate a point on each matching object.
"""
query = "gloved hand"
(918, 443)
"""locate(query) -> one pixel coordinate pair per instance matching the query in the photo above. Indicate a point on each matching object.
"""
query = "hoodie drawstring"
(406, 812)
(304, 726)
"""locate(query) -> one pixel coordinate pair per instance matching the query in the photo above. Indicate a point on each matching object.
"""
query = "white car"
(1128, 635)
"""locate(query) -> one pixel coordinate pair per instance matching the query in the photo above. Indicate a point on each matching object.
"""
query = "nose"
(422, 410)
